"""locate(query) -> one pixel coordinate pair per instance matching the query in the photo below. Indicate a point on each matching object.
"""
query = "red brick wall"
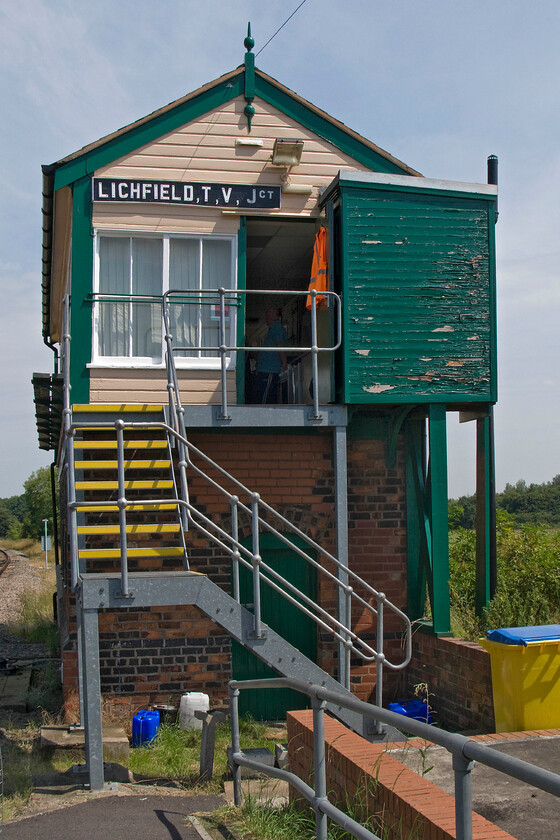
(459, 680)
(375, 782)
(295, 474)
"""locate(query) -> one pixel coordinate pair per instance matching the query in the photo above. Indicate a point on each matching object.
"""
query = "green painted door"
(285, 619)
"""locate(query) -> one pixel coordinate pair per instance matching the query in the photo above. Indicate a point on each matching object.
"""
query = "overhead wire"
(281, 27)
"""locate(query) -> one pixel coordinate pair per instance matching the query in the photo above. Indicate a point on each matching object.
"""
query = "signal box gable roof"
(227, 87)
(126, 140)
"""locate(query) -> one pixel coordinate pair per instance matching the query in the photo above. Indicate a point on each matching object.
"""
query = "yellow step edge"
(102, 553)
(115, 508)
(128, 444)
(116, 407)
(128, 465)
(129, 485)
(161, 528)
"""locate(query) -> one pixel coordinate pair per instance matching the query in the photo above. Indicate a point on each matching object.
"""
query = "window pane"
(216, 273)
(183, 275)
(147, 270)
(114, 272)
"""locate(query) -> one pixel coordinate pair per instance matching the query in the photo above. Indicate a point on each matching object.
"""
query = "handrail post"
(379, 660)
(319, 767)
(462, 769)
(235, 745)
(223, 354)
(257, 625)
(314, 354)
(234, 501)
(169, 364)
(348, 645)
(119, 426)
(71, 491)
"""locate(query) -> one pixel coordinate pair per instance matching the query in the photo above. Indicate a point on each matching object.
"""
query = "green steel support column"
(485, 516)
(82, 287)
(437, 491)
(418, 560)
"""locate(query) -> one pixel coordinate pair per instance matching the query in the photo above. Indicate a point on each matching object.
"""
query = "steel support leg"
(92, 699)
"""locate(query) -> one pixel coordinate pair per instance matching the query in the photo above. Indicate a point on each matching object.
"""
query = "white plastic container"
(194, 701)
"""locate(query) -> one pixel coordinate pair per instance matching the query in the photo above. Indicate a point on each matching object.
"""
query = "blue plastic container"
(415, 709)
(145, 726)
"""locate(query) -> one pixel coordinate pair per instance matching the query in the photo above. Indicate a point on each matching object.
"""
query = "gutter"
(47, 248)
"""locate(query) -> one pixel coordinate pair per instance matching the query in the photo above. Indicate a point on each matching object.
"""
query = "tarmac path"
(108, 817)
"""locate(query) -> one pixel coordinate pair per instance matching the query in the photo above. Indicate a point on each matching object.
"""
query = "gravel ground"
(18, 578)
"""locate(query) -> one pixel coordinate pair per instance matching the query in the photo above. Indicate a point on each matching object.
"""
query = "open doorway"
(279, 257)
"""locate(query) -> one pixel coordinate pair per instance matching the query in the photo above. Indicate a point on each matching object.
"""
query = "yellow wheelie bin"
(525, 665)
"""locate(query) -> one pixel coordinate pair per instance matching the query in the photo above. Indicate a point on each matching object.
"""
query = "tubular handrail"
(253, 508)
(464, 751)
(222, 299)
(242, 501)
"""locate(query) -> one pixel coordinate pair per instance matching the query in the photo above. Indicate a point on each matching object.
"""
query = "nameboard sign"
(183, 192)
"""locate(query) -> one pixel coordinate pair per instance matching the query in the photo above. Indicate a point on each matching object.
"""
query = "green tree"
(38, 503)
(8, 522)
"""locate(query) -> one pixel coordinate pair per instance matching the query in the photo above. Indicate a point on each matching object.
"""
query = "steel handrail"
(229, 297)
(465, 751)
(373, 601)
(252, 559)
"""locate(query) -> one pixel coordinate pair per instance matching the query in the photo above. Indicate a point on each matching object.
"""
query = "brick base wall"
(459, 680)
(365, 774)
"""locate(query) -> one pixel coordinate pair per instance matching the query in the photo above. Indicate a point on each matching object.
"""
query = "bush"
(528, 591)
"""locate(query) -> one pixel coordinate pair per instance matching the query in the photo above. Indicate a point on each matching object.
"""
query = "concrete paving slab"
(14, 689)
(116, 746)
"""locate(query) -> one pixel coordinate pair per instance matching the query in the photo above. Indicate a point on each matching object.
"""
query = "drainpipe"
(492, 170)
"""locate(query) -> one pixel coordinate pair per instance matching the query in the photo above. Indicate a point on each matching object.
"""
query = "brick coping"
(494, 737)
(412, 797)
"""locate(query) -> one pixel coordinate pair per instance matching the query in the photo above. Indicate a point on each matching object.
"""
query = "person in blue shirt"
(269, 364)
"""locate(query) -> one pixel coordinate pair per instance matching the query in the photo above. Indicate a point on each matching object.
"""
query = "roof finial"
(249, 42)
(249, 109)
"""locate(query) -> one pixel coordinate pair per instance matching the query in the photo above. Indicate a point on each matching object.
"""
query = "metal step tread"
(116, 408)
(134, 464)
(153, 528)
(155, 484)
(105, 553)
(128, 444)
(131, 506)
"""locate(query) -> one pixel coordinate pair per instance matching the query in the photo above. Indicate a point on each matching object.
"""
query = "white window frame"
(181, 362)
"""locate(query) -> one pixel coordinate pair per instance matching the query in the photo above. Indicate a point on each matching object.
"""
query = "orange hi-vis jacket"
(318, 279)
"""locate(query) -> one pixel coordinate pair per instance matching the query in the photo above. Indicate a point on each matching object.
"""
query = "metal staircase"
(128, 515)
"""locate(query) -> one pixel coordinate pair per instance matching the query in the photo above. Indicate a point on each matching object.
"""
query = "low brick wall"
(358, 771)
(459, 680)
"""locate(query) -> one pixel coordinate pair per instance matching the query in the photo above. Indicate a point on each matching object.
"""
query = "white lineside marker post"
(45, 542)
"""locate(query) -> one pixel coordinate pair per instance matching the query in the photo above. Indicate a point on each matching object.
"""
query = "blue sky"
(439, 84)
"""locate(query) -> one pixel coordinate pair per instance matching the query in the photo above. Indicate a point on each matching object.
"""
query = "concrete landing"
(14, 689)
(116, 747)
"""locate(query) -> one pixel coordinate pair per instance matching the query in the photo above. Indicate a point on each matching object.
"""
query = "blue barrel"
(414, 709)
(145, 725)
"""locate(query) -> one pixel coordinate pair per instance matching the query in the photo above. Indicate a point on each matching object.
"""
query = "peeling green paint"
(417, 280)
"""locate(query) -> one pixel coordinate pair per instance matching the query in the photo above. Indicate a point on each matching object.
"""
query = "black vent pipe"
(492, 169)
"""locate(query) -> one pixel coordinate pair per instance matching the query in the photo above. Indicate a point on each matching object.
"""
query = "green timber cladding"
(415, 266)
